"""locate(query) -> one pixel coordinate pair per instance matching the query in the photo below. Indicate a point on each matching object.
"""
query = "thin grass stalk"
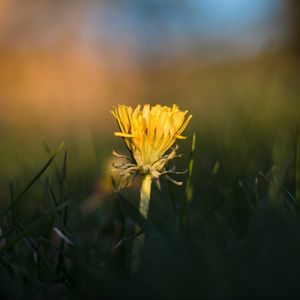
(27, 188)
(64, 215)
(297, 166)
(189, 188)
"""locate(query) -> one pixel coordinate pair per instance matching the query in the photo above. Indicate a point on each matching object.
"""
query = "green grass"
(232, 231)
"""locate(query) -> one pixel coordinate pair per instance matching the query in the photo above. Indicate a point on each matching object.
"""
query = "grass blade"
(136, 216)
(64, 216)
(13, 211)
(27, 188)
(24, 233)
(297, 166)
(189, 188)
(288, 196)
(51, 195)
(34, 226)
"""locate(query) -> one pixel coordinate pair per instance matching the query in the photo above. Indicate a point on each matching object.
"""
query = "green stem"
(145, 195)
(138, 243)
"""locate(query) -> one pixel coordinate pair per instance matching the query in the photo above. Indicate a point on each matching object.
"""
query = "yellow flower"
(148, 133)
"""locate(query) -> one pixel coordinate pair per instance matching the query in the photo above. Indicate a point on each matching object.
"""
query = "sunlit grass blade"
(27, 188)
(48, 151)
(62, 236)
(189, 187)
(46, 146)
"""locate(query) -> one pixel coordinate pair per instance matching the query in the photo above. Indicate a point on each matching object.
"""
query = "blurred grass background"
(233, 64)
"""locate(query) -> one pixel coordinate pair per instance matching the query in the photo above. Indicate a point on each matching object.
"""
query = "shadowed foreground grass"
(237, 236)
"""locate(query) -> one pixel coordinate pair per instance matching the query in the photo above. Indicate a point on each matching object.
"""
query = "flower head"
(148, 132)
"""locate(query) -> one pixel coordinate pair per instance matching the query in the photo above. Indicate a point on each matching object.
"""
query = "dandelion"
(148, 133)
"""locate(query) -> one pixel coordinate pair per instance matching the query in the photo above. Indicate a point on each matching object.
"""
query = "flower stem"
(138, 243)
(145, 195)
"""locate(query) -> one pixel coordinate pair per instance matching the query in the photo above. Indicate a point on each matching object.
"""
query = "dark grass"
(236, 236)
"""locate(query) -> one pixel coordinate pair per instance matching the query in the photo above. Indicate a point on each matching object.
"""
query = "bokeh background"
(233, 64)
(65, 63)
